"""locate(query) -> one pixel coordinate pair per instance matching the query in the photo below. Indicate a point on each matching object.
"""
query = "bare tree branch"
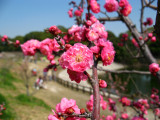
(141, 17)
(157, 24)
(124, 71)
(131, 53)
(109, 19)
(148, 4)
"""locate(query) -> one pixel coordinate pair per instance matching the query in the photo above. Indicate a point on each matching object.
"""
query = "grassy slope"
(38, 106)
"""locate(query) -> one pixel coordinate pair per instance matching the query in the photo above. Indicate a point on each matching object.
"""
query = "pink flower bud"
(70, 12)
(150, 35)
(2, 39)
(124, 115)
(141, 38)
(154, 68)
(67, 46)
(50, 57)
(102, 84)
(153, 39)
(17, 42)
(78, 13)
(95, 7)
(5, 36)
(89, 23)
(149, 21)
(53, 62)
(120, 44)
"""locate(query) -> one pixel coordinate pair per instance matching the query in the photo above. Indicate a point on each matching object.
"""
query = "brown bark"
(157, 24)
(96, 95)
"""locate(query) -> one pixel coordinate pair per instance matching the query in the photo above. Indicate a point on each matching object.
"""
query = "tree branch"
(125, 71)
(109, 19)
(131, 53)
(141, 18)
(148, 4)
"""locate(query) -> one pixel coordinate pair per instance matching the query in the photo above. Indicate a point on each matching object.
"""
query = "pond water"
(144, 83)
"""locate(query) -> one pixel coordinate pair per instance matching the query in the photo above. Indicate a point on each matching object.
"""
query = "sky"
(19, 17)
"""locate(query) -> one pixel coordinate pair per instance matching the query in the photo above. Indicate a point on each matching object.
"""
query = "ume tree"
(96, 47)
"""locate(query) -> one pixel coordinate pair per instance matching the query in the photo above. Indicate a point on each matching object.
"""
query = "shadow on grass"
(7, 79)
(31, 101)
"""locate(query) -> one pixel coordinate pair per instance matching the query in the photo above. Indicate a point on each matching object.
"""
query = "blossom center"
(79, 58)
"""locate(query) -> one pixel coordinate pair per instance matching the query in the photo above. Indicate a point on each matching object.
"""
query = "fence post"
(72, 86)
(83, 89)
(77, 87)
(67, 84)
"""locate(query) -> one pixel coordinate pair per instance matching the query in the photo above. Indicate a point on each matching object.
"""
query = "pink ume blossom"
(125, 101)
(54, 30)
(124, 115)
(77, 58)
(73, 29)
(138, 118)
(111, 5)
(48, 45)
(109, 117)
(100, 29)
(92, 35)
(95, 49)
(50, 57)
(149, 21)
(78, 12)
(157, 112)
(126, 10)
(77, 76)
(30, 47)
(107, 54)
(4, 38)
(95, 7)
(67, 106)
(154, 68)
(123, 3)
(89, 103)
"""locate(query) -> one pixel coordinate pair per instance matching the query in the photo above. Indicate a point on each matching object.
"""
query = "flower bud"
(141, 38)
(153, 39)
(82, 111)
(102, 84)
(150, 35)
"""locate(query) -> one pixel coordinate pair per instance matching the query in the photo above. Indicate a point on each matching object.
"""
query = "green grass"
(7, 79)
(7, 114)
(31, 101)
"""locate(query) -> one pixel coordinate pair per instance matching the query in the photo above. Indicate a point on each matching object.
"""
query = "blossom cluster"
(89, 103)
(46, 47)
(110, 6)
(67, 107)
(77, 59)
(148, 21)
(78, 12)
(4, 38)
